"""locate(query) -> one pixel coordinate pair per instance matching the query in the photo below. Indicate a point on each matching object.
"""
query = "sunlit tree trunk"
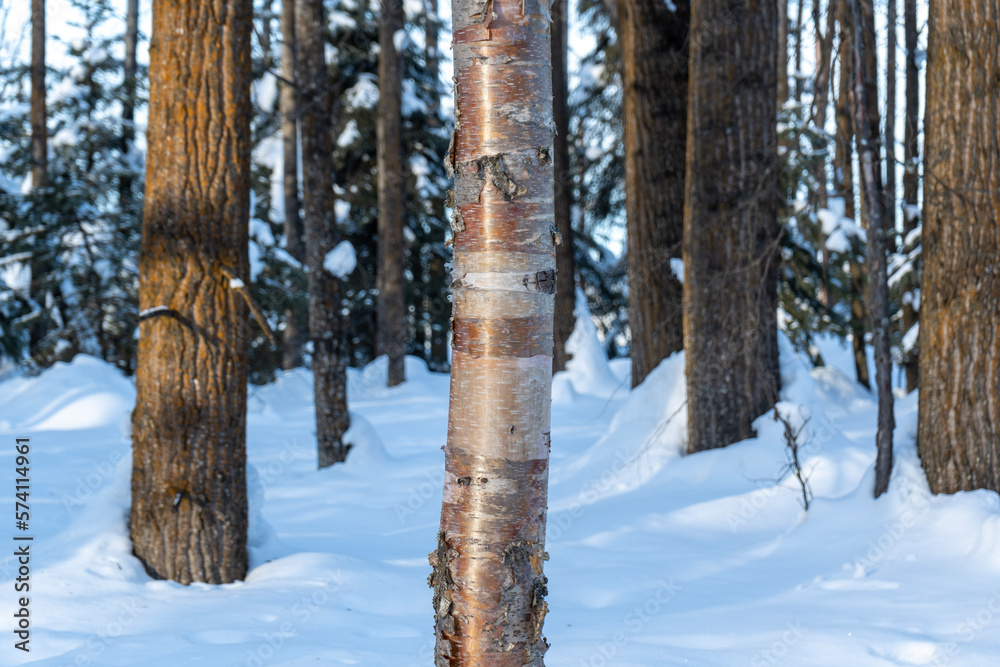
(189, 504)
(911, 158)
(326, 328)
(488, 583)
(878, 277)
(564, 319)
(129, 99)
(959, 425)
(731, 233)
(288, 107)
(655, 82)
(39, 131)
(391, 317)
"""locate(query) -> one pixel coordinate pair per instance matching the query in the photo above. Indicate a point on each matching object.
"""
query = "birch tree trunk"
(565, 306)
(488, 583)
(326, 328)
(390, 318)
(878, 278)
(655, 82)
(959, 424)
(39, 129)
(911, 159)
(731, 232)
(189, 504)
(129, 99)
(288, 108)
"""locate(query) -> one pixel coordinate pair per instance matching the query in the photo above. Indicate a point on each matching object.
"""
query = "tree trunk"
(843, 181)
(189, 503)
(129, 100)
(821, 101)
(391, 306)
(878, 277)
(911, 157)
(870, 75)
(488, 583)
(288, 107)
(959, 424)
(655, 83)
(797, 90)
(731, 232)
(782, 54)
(889, 206)
(39, 130)
(265, 32)
(565, 319)
(432, 58)
(326, 327)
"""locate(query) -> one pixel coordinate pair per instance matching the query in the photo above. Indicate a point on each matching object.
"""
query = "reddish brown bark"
(326, 327)
(655, 81)
(39, 131)
(731, 233)
(391, 307)
(488, 583)
(189, 505)
(565, 306)
(959, 424)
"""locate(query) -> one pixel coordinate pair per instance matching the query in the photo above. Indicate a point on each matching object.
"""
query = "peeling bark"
(488, 582)
(189, 505)
(958, 435)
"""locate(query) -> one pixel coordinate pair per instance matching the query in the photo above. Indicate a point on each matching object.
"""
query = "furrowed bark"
(288, 108)
(655, 55)
(189, 505)
(731, 232)
(878, 278)
(564, 318)
(488, 583)
(129, 99)
(326, 328)
(843, 180)
(391, 307)
(39, 129)
(959, 423)
(911, 158)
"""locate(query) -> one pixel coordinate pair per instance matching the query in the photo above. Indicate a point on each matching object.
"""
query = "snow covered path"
(656, 559)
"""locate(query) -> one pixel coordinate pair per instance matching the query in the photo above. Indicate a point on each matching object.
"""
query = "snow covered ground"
(656, 558)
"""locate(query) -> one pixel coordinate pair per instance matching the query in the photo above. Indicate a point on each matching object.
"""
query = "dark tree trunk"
(39, 130)
(655, 55)
(889, 206)
(432, 58)
(782, 53)
(843, 179)
(565, 320)
(821, 102)
(189, 503)
(391, 305)
(799, 13)
(288, 107)
(959, 425)
(878, 277)
(265, 32)
(911, 157)
(326, 327)
(488, 582)
(870, 76)
(731, 232)
(129, 99)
